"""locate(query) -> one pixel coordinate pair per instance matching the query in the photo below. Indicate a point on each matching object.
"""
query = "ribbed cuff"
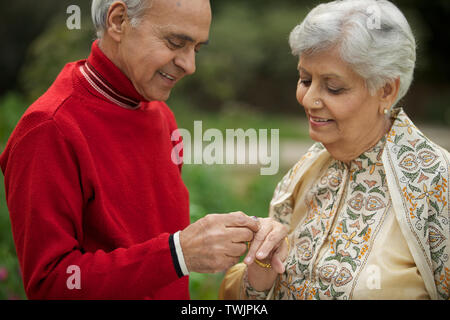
(177, 255)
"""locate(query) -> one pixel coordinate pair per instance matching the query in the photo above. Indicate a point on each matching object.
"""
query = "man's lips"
(167, 76)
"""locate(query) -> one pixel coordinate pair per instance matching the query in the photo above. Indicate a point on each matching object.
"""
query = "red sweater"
(90, 183)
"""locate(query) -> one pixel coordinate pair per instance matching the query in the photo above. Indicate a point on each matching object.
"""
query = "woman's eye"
(335, 91)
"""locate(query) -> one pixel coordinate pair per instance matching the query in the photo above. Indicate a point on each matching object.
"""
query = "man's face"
(161, 50)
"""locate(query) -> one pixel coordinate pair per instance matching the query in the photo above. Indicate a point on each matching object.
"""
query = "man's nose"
(186, 61)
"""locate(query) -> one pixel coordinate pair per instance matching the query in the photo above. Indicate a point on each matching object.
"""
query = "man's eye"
(174, 44)
(306, 83)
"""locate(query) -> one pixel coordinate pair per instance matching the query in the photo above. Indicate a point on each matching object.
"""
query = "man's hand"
(215, 242)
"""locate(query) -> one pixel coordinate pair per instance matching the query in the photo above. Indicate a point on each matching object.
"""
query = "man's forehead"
(175, 31)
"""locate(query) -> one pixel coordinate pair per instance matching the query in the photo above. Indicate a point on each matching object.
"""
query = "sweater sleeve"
(45, 199)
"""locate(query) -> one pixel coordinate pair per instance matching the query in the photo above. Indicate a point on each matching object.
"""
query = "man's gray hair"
(99, 10)
(373, 36)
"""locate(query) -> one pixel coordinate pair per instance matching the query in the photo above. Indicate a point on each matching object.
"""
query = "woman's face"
(347, 115)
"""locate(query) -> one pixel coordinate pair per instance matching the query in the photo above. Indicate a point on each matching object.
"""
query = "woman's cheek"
(300, 95)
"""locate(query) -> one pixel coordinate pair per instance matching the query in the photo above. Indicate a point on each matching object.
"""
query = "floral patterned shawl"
(417, 174)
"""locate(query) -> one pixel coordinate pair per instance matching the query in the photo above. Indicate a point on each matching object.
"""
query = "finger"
(271, 243)
(235, 250)
(279, 257)
(258, 239)
(240, 219)
(240, 234)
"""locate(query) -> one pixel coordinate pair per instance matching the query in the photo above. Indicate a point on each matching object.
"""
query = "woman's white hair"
(99, 10)
(373, 37)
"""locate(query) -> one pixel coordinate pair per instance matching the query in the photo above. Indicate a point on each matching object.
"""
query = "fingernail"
(248, 260)
(260, 254)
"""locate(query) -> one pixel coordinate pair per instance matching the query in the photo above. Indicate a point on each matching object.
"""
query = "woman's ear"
(116, 20)
(389, 94)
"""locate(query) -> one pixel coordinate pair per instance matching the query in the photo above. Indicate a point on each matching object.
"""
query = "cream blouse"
(349, 245)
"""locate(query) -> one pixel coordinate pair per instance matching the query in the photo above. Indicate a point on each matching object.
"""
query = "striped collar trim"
(103, 87)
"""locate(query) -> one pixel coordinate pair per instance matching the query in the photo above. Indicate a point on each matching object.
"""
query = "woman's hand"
(269, 246)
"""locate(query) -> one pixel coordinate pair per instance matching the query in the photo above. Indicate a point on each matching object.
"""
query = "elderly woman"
(366, 209)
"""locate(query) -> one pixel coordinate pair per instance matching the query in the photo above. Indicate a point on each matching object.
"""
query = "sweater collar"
(109, 81)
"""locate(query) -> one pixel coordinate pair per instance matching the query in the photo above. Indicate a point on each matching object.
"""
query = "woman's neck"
(347, 151)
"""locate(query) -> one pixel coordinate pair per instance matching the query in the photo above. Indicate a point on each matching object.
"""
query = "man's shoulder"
(166, 111)
(59, 94)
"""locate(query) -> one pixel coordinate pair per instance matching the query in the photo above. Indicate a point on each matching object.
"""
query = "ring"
(268, 265)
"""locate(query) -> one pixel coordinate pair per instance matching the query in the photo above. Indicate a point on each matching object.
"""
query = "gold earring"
(385, 111)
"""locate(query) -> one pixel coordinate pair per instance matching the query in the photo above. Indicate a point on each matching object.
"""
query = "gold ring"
(268, 265)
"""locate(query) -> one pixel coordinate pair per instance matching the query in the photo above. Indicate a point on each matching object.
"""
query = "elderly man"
(98, 209)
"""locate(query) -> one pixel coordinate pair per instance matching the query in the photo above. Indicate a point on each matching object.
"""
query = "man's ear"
(388, 94)
(116, 20)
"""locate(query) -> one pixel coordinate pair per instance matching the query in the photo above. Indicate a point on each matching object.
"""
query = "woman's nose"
(310, 97)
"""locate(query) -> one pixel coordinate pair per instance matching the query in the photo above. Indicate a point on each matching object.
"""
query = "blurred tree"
(22, 21)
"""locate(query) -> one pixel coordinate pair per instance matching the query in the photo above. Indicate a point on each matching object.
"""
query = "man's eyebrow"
(187, 38)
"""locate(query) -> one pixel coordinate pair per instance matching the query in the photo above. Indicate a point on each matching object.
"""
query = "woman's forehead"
(327, 64)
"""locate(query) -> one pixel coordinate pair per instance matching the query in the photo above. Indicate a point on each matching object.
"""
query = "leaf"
(383, 177)
(423, 145)
(335, 294)
(433, 219)
(319, 203)
(368, 217)
(317, 296)
(344, 226)
(411, 176)
(350, 261)
(435, 206)
(322, 286)
(335, 257)
(439, 269)
(322, 191)
(436, 180)
(404, 149)
(420, 211)
(432, 169)
(377, 190)
(435, 256)
(302, 267)
(351, 215)
(398, 138)
(357, 249)
(360, 187)
(363, 232)
(305, 233)
(338, 243)
(414, 188)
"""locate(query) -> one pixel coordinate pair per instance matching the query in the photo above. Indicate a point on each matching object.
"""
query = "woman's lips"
(320, 122)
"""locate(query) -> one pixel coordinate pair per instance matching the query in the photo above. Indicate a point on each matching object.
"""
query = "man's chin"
(157, 95)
